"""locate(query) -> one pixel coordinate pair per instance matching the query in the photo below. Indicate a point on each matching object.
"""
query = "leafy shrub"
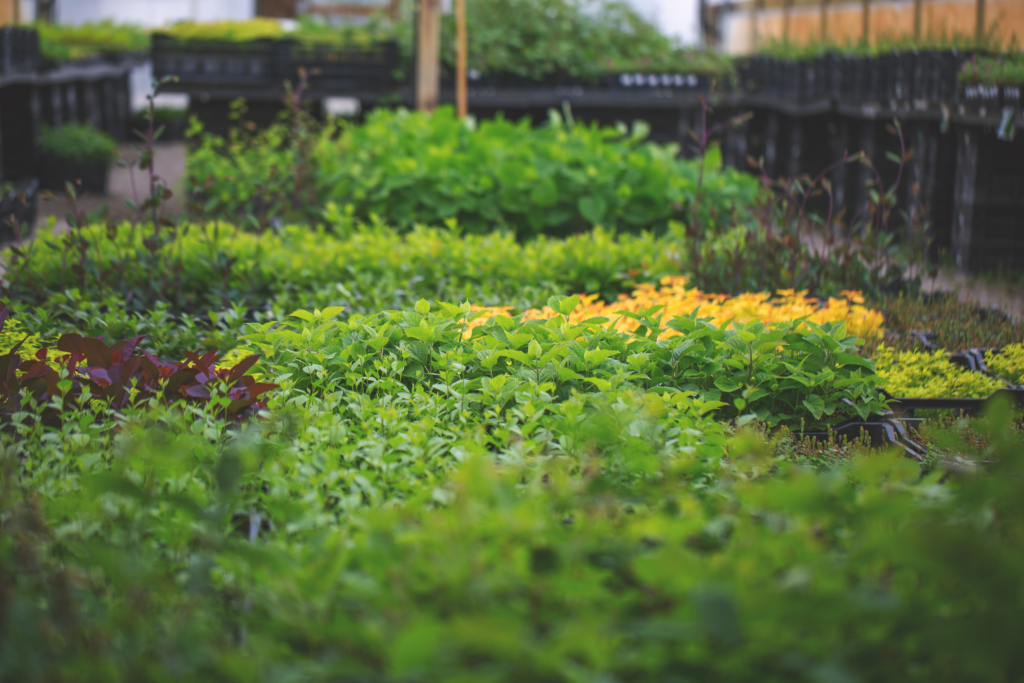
(570, 38)
(78, 143)
(61, 42)
(407, 168)
(785, 373)
(1008, 362)
(116, 375)
(917, 374)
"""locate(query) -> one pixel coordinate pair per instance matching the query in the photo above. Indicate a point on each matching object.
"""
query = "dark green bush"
(78, 143)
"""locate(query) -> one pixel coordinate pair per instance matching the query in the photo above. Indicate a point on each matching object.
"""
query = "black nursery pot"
(979, 100)
(57, 172)
(1010, 96)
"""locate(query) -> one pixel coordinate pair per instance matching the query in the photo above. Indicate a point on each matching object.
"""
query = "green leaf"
(424, 334)
(331, 311)
(568, 304)
(304, 315)
(815, 405)
(593, 209)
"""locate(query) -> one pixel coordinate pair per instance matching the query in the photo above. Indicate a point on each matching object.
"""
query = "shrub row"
(406, 168)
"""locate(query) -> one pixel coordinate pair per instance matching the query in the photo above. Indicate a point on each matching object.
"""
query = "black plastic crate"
(901, 78)
(856, 79)
(254, 63)
(344, 67)
(751, 75)
(945, 66)
(19, 50)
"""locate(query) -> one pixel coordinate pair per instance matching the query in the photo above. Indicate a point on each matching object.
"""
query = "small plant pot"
(1011, 96)
(792, 81)
(57, 173)
(978, 99)
(942, 83)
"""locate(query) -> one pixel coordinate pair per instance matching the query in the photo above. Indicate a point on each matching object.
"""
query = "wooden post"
(824, 21)
(786, 4)
(866, 16)
(755, 12)
(979, 28)
(428, 55)
(461, 59)
(917, 19)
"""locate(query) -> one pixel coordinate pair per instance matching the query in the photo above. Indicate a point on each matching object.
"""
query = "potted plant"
(76, 153)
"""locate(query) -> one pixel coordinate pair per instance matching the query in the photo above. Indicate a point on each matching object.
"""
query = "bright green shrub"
(409, 168)
(61, 42)
(366, 269)
(922, 374)
(1008, 362)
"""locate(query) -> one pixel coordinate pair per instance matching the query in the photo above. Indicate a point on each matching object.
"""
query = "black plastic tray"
(216, 62)
(882, 431)
(340, 67)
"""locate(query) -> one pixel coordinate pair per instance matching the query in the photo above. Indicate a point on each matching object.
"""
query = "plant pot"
(791, 81)
(942, 83)
(687, 82)
(57, 173)
(878, 78)
(978, 99)
(1010, 96)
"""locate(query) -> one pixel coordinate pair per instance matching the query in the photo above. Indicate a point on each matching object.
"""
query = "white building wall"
(152, 13)
(679, 18)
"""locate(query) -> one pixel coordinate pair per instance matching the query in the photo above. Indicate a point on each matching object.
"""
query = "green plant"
(78, 143)
(914, 374)
(1002, 70)
(580, 39)
(946, 323)
(412, 168)
(61, 42)
(1007, 362)
(195, 552)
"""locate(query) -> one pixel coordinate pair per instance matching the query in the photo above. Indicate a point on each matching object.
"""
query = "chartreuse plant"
(366, 268)
(1008, 362)
(63, 42)
(923, 374)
